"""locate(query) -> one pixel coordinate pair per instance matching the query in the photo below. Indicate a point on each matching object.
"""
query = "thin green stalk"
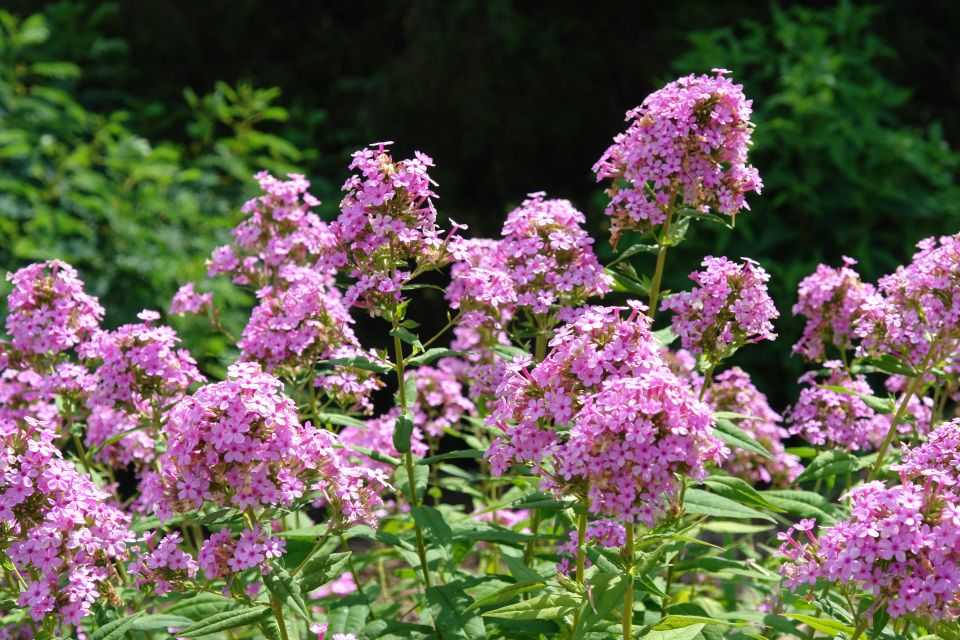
(661, 259)
(898, 416)
(628, 552)
(278, 615)
(408, 459)
(707, 379)
(353, 567)
(539, 353)
(581, 560)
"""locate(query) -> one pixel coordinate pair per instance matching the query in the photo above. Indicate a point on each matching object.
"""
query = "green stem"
(898, 416)
(408, 458)
(581, 561)
(539, 353)
(661, 259)
(627, 619)
(707, 379)
(353, 567)
(278, 615)
(860, 628)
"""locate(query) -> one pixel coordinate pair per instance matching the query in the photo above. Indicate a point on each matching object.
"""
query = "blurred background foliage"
(129, 131)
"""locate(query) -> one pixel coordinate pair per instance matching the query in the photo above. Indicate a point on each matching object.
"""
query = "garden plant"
(571, 456)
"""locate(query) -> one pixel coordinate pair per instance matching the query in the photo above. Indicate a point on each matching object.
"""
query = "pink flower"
(686, 147)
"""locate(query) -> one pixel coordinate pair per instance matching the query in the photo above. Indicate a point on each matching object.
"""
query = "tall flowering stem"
(661, 260)
(408, 456)
(898, 416)
(628, 555)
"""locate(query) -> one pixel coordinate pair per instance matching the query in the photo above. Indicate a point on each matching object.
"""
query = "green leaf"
(738, 438)
(433, 354)
(200, 606)
(825, 625)
(633, 250)
(160, 621)
(625, 284)
(683, 633)
(319, 571)
(461, 454)
(421, 475)
(606, 593)
(431, 520)
(359, 362)
(115, 630)
(680, 621)
(340, 419)
(548, 607)
(520, 571)
(402, 430)
(829, 464)
(224, 621)
(506, 593)
(350, 617)
(880, 405)
(802, 504)
(408, 337)
(450, 607)
(739, 491)
(699, 502)
(286, 589)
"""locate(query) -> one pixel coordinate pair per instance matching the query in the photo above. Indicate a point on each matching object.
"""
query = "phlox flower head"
(830, 300)
(440, 403)
(828, 418)
(62, 532)
(387, 229)
(548, 257)
(628, 443)
(187, 301)
(728, 307)
(602, 343)
(685, 147)
(300, 321)
(938, 458)
(239, 443)
(48, 310)
(915, 313)
(734, 391)
(280, 229)
(164, 565)
(901, 544)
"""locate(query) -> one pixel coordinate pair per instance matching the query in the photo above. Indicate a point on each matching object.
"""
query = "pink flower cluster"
(221, 555)
(440, 402)
(901, 544)
(280, 229)
(937, 459)
(59, 529)
(544, 263)
(377, 435)
(728, 308)
(167, 567)
(606, 533)
(834, 418)
(239, 443)
(686, 147)
(188, 302)
(734, 391)
(915, 314)
(387, 229)
(139, 373)
(830, 299)
(48, 310)
(632, 423)
(629, 441)
(601, 344)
